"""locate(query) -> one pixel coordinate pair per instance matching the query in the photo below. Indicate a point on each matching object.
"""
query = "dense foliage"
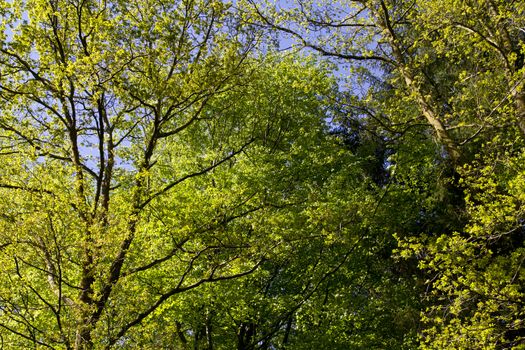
(171, 179)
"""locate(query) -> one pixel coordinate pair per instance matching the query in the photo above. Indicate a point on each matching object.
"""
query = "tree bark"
(403, 67)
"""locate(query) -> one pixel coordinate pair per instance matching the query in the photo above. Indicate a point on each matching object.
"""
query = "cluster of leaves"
(169, 181)
(436, 92)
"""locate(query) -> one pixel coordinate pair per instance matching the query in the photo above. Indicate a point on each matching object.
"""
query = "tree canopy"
(172, 178)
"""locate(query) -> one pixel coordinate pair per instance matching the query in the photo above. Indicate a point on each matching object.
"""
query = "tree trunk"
(404, 68)
(83, 340)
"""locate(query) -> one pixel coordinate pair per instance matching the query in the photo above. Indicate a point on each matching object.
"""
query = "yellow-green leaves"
(147, 151)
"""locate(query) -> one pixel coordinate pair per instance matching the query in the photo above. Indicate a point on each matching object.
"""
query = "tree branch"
(179, 289)
(195, 174)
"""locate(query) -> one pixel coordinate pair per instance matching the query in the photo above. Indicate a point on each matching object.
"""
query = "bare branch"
(318, 48)
(26, 188)
(179, 289)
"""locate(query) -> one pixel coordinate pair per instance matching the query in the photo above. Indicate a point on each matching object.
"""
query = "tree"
(459, 67)
(169, 181)
(475, 272)
(411, 44)
(140, 160)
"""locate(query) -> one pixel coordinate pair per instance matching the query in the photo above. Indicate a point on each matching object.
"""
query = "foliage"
(456, 66)
(169, 180)
(145, 152)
